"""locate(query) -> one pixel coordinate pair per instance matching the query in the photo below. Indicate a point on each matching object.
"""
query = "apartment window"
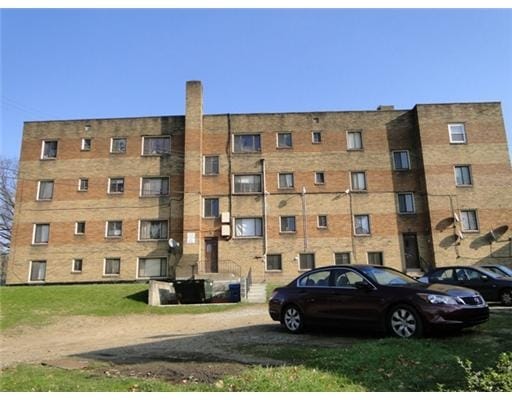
(274, 262)
(469, 221)
(248, 227)
(49, 150)
(319, 178)
(118, 145)
(401, 161)
(152, 267)
(41, 233)
(406, 203)
(83, 184)
(153, 230)
(247, 143)
(354, 140)
(77, 265)
(38, 271)
(284, 140)
(114, 229)
(211, 208)
(156, 145)
(321, 221)
(115, 185)
(80, 228)
(375, 258)
(342, 258)
(457, 133)
(316, 137)
(86, 144)
(211, 165)
(247, 183)
(306, 261)
(362, 224)
(286, 180)
(154, 187)
(45, 190)
(287, 224)
(463, 175)
(358, 180)
(112, 266)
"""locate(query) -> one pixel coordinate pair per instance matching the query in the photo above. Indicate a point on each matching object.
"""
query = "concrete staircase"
(257, 293)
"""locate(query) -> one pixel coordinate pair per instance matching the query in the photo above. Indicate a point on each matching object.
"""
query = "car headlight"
(438, 299)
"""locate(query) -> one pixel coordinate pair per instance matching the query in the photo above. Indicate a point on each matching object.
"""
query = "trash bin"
(193, 291)
(234, 292)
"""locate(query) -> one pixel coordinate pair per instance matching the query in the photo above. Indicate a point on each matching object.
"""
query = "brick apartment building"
(272, 194)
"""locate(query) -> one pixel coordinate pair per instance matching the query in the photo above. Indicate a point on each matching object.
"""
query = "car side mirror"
(484, 278)
(364, 285)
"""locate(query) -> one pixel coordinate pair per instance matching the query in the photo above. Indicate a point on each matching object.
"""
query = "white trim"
(154, 177)
(248, 237)
(470, 175)
(79, 181)
(137, 276)
(105, 266)
(140, 239)
(34, 234)
(82, 144)
(204, 165)
(279, 180)
(453, 124)
(155, 137)
(76, 228)
(326, 226)
(43, 141)
(244, 134)
(39, 189)
(113, 236)
(348, 132)
(30, 271)
(323, 177)
(365, 181)
(246, 174)
(313, 137)
(112, 142)
(73, 270)
(475, 211)
(277, 140)
(280, 224)
(369, 225)
(108, 185)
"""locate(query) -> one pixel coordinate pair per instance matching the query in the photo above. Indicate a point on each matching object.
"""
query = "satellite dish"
(493, 235)
(173, 244)
(456, 217)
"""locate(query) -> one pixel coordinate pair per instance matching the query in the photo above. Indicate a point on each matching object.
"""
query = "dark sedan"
(374, 297)
(490, 285)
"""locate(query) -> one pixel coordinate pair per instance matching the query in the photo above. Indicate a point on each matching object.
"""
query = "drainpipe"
(304, 218)
(265, 194)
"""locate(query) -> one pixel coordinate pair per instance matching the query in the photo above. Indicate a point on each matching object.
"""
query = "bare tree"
(8, 172)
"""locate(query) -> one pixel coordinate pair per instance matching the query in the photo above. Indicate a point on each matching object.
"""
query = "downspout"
(304, 218)
(230, 183)
(265, 194)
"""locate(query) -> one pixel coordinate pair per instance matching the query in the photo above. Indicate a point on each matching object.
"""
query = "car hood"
(457, 291)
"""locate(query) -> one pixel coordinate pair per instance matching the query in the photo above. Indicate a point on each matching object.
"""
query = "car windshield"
(387, 276)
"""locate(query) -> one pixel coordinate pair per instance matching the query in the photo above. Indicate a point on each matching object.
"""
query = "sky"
(108, 63)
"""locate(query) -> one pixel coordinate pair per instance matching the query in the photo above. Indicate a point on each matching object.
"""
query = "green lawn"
(34, 305)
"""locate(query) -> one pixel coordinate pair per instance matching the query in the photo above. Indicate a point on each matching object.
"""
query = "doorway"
(211, 255)
(411, 253)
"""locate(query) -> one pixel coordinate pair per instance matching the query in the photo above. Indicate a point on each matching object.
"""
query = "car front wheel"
(506, 297)
(293, 320)
(404, 322)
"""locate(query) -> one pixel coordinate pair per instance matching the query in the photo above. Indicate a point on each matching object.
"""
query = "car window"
(473, 275)
(444, 275)
(385, 276)
(320, 278)
(461, 274)
(346, 278)
(496, 271)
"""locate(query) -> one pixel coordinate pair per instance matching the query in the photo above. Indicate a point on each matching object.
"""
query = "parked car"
(501, 270)
(374, 297)
(490, 285)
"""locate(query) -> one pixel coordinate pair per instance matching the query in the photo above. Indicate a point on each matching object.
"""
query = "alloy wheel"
(506, 298)
(403, 323)
(292, 319)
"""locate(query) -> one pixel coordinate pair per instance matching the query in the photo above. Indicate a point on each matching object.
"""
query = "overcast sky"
(71, 64)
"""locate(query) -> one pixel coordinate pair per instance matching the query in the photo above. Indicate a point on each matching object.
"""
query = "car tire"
(404, 322)
(506, 297)
(292, 319)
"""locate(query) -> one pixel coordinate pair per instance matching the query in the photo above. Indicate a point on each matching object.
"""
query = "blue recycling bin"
(234, 292)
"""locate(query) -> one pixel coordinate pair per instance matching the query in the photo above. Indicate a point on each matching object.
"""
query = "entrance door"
(211, 254)
(412, 257)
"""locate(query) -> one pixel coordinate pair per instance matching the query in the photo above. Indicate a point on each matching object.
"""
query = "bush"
(498, 379)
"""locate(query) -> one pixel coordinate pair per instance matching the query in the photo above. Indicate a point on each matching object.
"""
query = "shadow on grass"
(140, 297)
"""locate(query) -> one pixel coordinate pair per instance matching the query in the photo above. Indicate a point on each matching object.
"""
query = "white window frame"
(450, 133)
(38, 197)
(105, 266)
(352, 174)
(317, 175)
(83, 142)
(286, 146)
(44, 141)
(241, 150)
(112, 139)
(279, 180)
(299, 261)
(80, 180)
(109, 182)
(320, 226)
(352, 132)
(34, 234)
(30, 271)
(73, 262)
(141, 239)
(165, 267)
(274, 270)
(247, 175)
(395, 168)
(76, 228)
(470, 174)
(413, 203)
(281, 219)
(313, 138)
(255, 227)
(156, 153)
(474, 211)
(161, 178)
(215, 173)
(205, 208)
(369, 225)
(113, 236)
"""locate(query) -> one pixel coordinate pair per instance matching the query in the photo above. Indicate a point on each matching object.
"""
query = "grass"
(36, 305)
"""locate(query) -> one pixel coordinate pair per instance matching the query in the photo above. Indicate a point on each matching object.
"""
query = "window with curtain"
(156, 145)
(41, 233)
(463, 175)
(38, 270)
(358, 180)
(286, 180)
(362, 224)
(406, 203)
(288, 224)
(354, 140)
(274, 262)
(152, 267)
(116, 185)
(284, 140)
(49, 149)
(114, 228)
(152, 187)
(307, 261)
(153, 230)
(248, 227)
(246, 143)
(112, 266)
(118, 145)
(211, 165)
(401, 160)
(247, 183)
(45, 190)
(469, 221)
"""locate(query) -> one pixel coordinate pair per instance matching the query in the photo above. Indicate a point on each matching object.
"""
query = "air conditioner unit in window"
(225, 230)
(225, 217)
